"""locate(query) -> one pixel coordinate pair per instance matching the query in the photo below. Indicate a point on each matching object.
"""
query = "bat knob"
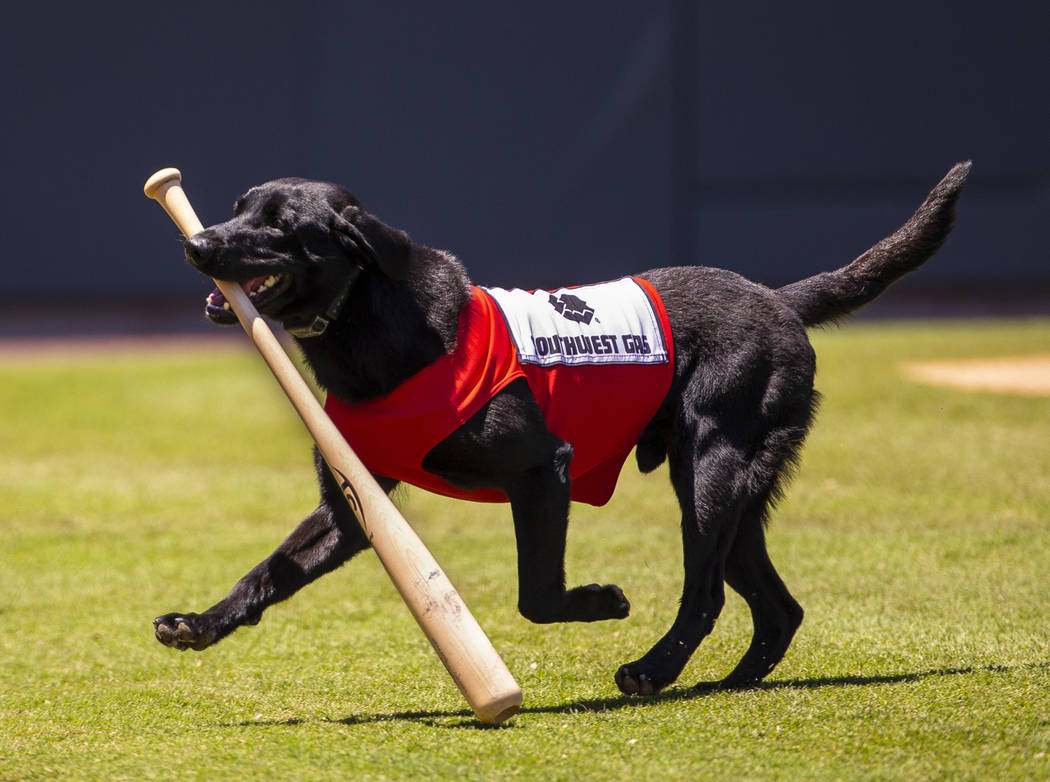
(161, 180)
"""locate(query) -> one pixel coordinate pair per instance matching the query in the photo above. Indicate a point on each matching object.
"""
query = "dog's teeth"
(266, 284)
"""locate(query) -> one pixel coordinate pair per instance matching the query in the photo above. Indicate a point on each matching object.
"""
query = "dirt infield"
(1016, 375)
(49, 348)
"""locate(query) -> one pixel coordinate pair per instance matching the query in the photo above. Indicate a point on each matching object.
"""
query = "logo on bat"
(572, 308)
(352, 499)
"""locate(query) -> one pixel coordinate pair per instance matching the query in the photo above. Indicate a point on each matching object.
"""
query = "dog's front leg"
(323, 541)
(507, 445)
(539, 499)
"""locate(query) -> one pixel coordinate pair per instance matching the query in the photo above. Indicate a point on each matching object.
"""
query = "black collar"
(319, 323)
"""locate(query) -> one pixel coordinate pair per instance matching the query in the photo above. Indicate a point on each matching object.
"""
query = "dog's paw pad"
(632, 682)
(183, 631)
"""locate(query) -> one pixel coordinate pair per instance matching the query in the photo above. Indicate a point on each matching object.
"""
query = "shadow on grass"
(464, 718)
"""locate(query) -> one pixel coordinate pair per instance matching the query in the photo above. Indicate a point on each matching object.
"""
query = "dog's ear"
(364, 237)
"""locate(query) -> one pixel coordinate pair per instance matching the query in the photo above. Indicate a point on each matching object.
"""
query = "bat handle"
(165, 187)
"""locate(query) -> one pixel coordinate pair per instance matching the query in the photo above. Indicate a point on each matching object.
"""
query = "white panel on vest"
(607, 323)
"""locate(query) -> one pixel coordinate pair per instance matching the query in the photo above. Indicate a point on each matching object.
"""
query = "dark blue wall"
(544, 143)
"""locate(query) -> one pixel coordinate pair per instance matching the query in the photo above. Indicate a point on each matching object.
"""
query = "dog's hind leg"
(710, 484)
(323, 541)
(775, 614)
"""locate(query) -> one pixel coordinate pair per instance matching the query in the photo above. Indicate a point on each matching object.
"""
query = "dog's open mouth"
(261, 291)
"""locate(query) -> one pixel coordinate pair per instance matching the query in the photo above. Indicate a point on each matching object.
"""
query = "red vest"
(601, 409)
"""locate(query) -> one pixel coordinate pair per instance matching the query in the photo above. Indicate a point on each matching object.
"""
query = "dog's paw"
(659, 668)
(595, 602)
(727, 684)
(632, 682)
(591, 603)
(637, 678)
(184, 631)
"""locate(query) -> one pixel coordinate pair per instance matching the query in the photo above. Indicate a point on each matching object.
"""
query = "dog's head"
(296, 247)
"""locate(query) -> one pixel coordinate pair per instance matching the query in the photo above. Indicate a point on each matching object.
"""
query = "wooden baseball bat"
(462, 645)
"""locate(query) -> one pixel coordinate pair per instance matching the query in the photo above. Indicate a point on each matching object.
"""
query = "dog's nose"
(198, 248)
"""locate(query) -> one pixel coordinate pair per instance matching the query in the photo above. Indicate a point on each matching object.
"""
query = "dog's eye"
(279, 223)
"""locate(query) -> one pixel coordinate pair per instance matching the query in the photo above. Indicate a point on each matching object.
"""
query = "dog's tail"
(832, 295)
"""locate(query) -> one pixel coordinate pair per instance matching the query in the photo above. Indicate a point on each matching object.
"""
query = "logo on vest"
(563, 326)
(572, 308)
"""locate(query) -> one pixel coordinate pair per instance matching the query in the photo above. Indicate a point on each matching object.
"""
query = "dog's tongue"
(250, 285)
(216, 299)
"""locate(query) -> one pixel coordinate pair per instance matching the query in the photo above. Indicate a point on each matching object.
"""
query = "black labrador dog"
(370, 308)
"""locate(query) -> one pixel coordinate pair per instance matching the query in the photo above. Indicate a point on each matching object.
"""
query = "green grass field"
(916, 536)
